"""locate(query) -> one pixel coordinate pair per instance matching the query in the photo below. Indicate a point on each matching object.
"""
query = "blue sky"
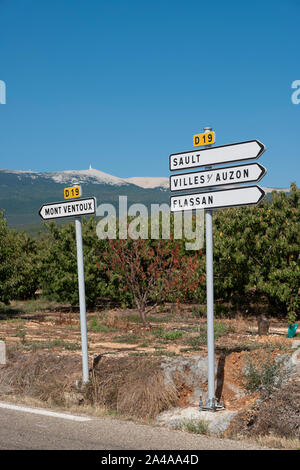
(121, 84)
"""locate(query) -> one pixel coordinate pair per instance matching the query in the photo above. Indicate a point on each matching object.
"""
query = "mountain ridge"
(81, 176)
(74, 176)
(22, 192)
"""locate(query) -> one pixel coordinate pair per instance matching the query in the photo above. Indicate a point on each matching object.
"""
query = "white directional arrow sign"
(217, 177)
(244, 196)
(250, 150)
(74, 208)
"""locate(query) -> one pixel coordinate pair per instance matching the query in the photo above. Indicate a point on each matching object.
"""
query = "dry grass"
(44, 363)
(42, 375)
(129, 386)
(116, 321)
(132, 386)
(276, 442)
(276, 417)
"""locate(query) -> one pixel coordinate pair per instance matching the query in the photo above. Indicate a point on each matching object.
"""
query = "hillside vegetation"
(256, 256)
(23, 193)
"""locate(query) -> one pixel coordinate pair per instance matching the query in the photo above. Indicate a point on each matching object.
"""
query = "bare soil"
(125, 359)
(175, 331)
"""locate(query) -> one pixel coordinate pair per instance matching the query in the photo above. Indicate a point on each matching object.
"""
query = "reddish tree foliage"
(153, 271)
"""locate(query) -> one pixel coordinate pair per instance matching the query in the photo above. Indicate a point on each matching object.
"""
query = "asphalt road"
(25, 430)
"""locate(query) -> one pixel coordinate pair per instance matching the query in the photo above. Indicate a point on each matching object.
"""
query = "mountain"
(22, 193)
(270, 190)
(150, 182)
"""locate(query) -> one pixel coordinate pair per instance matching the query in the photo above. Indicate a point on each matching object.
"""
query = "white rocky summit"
(93, 176)
(150, 182)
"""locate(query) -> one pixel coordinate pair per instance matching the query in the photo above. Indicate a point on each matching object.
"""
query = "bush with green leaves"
(257, 249)
(195, 426)
(58, 263)
(26, 266)
(18, 264)
(6, 266)
(265, 375)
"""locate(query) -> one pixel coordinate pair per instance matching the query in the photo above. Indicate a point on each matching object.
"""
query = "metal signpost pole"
(81, 288)
(75, 208)
(212, 199)
(210, 404)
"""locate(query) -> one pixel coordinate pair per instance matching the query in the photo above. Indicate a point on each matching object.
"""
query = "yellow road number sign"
(206, 138)
(75, 191)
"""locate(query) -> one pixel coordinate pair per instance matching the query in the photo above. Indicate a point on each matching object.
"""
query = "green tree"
(258, 248)
(25, 259)
(6, 266)
(58, 263)
(18, 268)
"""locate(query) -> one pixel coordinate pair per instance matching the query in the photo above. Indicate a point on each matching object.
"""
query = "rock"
(192, 369)
(263, 325)
(295, 360)
(2, 353)
(73, 398)
(296, 344)
(217, 422)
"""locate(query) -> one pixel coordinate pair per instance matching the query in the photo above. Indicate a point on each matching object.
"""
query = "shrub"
(58, 263)
(264, 375)
(18, 264)
(195, 426)
(130, 338)
(257, 249)
(172, 335)
(95, 326)
(276, 416)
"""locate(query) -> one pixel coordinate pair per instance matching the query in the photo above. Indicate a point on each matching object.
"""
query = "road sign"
(217, 177)
(206, 138)
(75, 208)
(250, 150)
(74, 191)
(243, 196)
